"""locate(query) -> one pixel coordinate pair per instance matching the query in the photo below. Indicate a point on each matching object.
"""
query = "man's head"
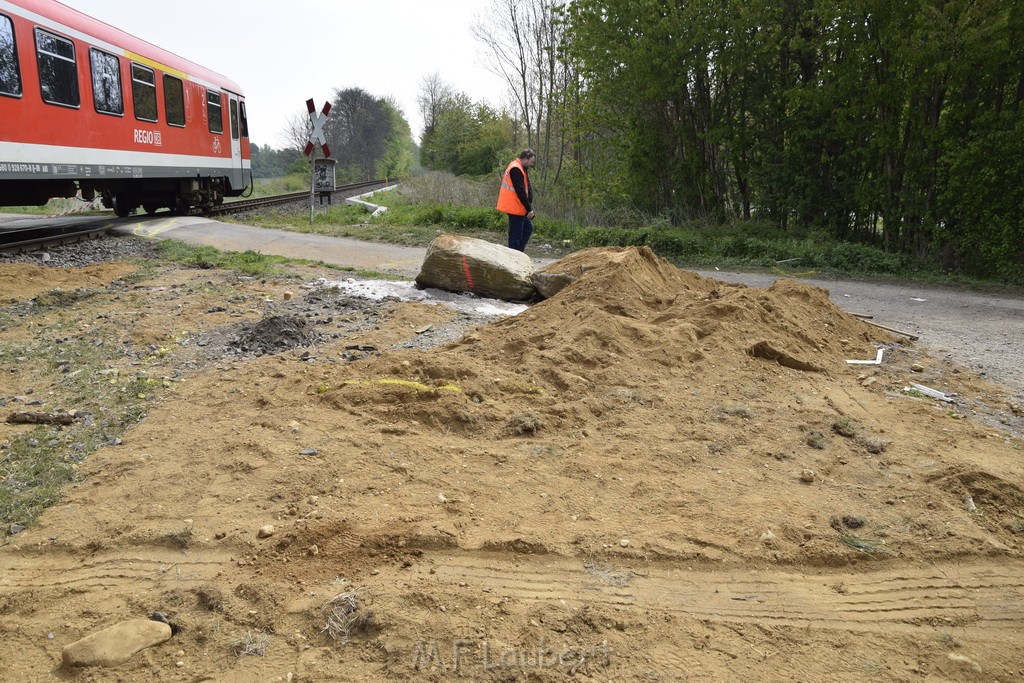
(527, 158)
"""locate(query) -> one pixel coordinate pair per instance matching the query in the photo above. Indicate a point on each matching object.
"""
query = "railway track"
(263, 202)
(33, 238)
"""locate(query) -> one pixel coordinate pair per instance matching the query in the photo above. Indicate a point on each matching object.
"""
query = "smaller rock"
(624, 543)
(868, 382)
(768, 538)
(15, 529)
(288, 296)
(966, 661)
(917, 367)
(807, 476)
(117, 644)
(310, 452)
(266, 531)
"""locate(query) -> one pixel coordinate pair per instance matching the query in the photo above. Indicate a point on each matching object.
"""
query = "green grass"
(39, 462)
(425, 208)
(251, 263)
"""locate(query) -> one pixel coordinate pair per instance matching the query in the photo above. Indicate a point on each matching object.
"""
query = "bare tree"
(507, 37)
(297, 130)
(433, 96)
(523, 38)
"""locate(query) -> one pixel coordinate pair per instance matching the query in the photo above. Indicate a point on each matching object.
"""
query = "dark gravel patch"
(80, 254)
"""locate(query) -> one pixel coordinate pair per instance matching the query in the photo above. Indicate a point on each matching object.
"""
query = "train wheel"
(121, 205)
(151, 208)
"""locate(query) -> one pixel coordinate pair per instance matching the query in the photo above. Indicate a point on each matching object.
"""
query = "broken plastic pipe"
(876, 361)
(932, 392)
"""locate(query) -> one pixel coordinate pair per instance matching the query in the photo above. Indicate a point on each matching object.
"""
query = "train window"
(58, 73)
(174, 101)
(144, 92)
(10, 76)
(213, 112)
(234, 120)
(106, 82)
(245, 120)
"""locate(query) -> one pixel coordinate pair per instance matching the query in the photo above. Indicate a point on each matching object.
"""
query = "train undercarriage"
(180, 195)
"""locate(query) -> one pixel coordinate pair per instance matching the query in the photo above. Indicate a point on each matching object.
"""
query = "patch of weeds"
(844, 426)
(816, 440)
(248, 262)
(737, 411)
(251, 644)
(606, 574)
(865, 546)
(40, 462)
(344, 619)
(32, 472)
(180, 538)
(873, 444)
(914, 393)
(62, 298)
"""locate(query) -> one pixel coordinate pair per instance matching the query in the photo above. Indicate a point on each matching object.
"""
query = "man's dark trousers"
(519, 230)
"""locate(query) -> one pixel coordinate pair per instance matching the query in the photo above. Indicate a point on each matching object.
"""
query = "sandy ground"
(652, 476)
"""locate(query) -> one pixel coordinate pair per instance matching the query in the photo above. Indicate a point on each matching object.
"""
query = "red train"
(86, 108)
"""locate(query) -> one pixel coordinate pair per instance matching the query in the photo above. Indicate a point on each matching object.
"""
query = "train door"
(238, 181)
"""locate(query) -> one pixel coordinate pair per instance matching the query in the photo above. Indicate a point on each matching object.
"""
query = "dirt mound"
(629, 304)
(275, 334)
(647, 459)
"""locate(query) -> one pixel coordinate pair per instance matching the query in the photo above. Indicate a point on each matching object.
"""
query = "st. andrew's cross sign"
(318, 121)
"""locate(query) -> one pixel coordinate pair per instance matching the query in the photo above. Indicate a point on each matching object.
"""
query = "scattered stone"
(116, 644)
(15, 529)
(266, 531)
(768, 538)
(807, 476)
(288, 296)
(868, 382)
(624, 543)
(308, 451)
(917, 367)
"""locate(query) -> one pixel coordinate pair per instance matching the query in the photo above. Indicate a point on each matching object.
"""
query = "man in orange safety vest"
(516, 199)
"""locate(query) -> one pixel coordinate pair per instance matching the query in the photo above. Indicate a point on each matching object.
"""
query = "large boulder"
(466, 264)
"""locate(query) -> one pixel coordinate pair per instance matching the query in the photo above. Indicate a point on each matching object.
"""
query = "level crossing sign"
(318, 121)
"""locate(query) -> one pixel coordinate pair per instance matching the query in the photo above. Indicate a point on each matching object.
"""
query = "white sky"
(282, 53)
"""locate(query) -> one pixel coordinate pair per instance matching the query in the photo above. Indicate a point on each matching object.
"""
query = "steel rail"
(28, 239)
(262, 202)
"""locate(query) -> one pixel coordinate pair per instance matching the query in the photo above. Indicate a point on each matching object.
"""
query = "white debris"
(377, 290)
